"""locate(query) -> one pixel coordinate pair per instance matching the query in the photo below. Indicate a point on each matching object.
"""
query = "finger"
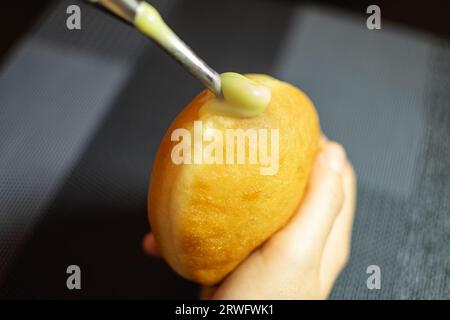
(337, 248)
(206, 293)
(324, 195)
(149, 245)
(311, 225)
(323, 139)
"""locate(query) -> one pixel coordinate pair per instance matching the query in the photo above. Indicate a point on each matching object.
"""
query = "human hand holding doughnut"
(303, 259)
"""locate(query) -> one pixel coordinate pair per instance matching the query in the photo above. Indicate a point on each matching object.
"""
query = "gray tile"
(51, 102)
(368, 87)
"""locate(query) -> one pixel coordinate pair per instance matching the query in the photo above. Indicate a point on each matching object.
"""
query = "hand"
(303, 259)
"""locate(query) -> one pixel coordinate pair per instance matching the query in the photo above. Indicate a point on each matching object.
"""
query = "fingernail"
(333, 156)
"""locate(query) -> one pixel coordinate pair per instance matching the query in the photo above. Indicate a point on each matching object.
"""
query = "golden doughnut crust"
(208, 217)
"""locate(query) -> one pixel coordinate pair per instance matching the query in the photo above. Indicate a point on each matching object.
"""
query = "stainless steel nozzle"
(127, 9)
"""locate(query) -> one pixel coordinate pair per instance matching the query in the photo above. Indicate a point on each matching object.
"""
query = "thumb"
(309, 228)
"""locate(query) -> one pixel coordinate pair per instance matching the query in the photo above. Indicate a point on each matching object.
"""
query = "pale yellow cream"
(242, 97)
